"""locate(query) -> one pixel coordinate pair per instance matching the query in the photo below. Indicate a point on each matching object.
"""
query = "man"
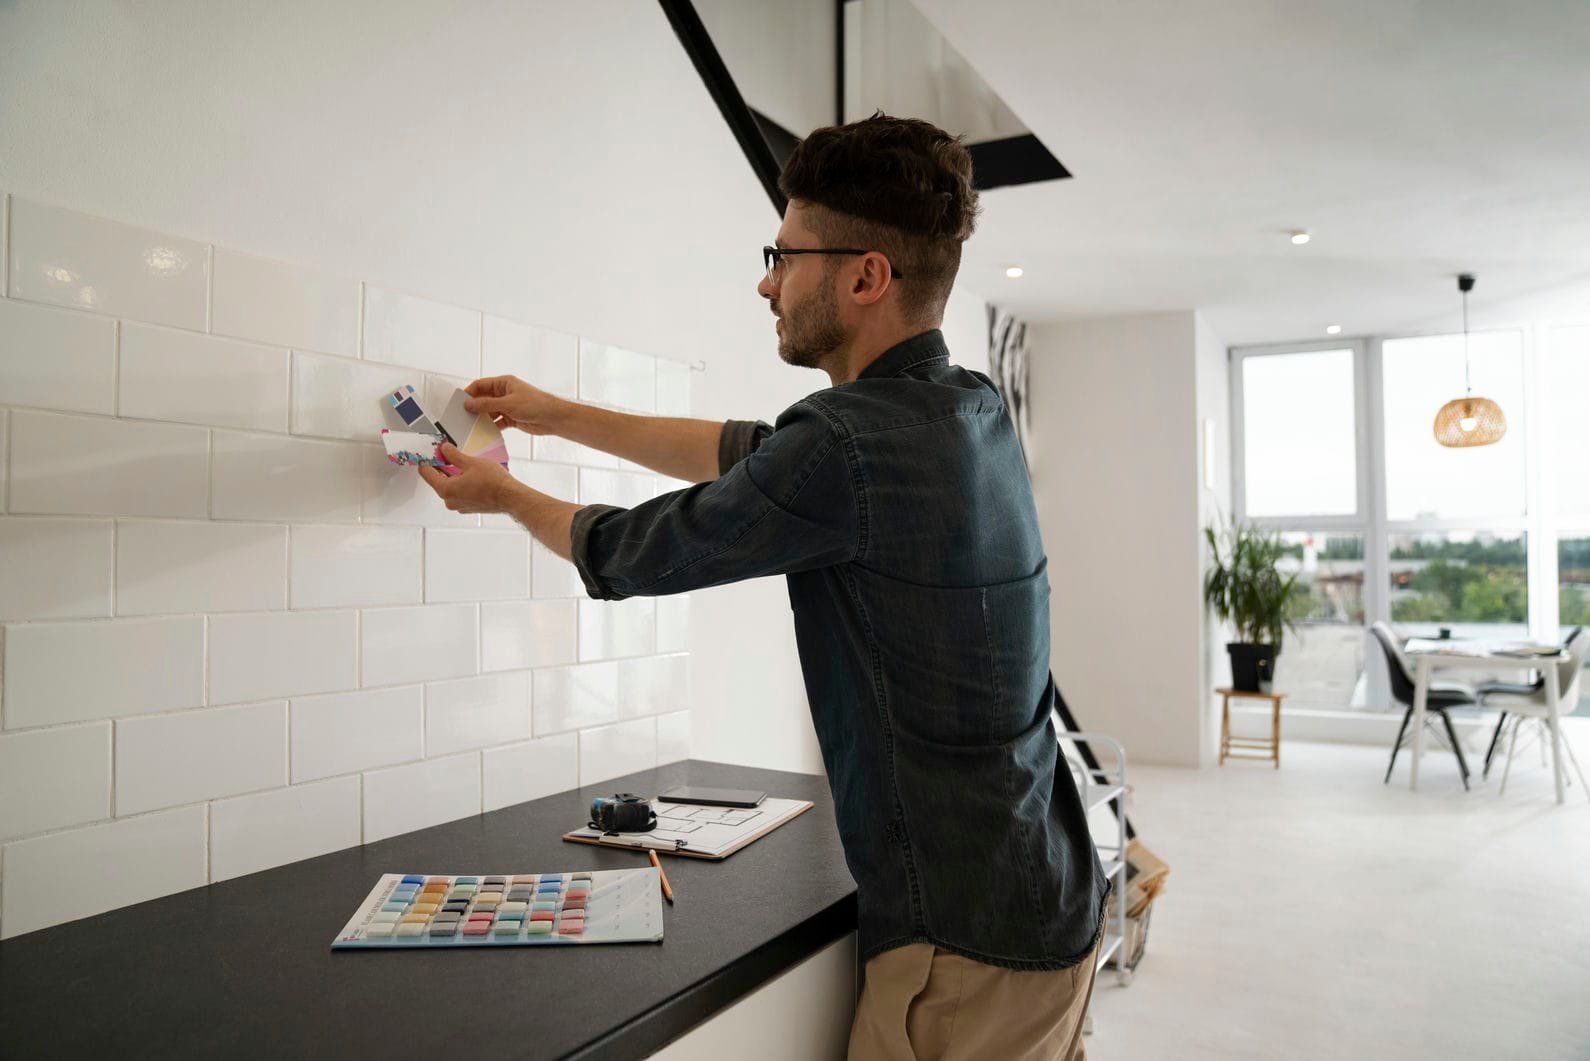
(898, 505)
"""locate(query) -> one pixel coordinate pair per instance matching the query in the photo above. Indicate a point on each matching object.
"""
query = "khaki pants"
(920, 1002)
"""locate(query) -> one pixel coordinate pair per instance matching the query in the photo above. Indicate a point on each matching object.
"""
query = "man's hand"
(481, 485)
(512, 402)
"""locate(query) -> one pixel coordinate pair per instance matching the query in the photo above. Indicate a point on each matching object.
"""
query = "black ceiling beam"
(703, 53)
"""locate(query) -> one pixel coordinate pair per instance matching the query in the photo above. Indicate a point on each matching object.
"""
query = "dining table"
(1452, 654)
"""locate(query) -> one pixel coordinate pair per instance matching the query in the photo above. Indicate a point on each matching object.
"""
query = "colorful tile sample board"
(508, 910)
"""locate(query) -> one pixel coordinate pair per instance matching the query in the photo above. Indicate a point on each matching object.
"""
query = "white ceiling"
(1414, 140)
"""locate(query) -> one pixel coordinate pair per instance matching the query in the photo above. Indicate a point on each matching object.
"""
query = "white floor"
(1312, 912)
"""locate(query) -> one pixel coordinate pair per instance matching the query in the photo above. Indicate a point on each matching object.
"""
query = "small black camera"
(622, 813)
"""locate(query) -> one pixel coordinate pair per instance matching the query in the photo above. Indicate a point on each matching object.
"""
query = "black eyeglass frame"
(770, 255)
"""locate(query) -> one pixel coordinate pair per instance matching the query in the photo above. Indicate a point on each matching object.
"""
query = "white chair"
(1532, 707)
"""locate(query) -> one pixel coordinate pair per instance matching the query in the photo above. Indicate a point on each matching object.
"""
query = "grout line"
(205, 660)
(209, 475)
(115, 724)
(287, 731)
(5, 244)
(292, 386)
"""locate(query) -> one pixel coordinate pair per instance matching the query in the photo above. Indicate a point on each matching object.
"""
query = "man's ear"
(871, 280)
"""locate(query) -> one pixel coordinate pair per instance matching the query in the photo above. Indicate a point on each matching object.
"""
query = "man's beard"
(813, 331)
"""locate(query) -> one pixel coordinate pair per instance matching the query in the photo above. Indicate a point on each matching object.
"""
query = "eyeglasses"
(773, 259)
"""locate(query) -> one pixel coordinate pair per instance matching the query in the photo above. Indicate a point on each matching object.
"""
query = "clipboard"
(694, 831)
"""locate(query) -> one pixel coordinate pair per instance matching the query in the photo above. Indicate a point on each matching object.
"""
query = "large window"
(1334, 450)
(1425, 480)
(1472, 579)
(1288, 470)
(1325, 653)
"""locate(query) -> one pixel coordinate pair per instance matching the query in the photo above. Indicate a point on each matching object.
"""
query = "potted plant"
(1245, 589)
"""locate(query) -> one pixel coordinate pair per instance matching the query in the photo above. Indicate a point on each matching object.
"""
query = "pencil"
(668, 893)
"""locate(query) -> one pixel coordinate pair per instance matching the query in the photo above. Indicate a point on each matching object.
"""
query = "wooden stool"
(1246, 745)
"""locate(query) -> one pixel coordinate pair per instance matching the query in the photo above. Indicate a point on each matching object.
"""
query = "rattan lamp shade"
(1469, 422)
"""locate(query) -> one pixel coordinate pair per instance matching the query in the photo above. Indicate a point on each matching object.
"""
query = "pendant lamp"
(1469, 421)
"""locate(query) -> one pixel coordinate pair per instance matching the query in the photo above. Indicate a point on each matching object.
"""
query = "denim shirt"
(898, 507)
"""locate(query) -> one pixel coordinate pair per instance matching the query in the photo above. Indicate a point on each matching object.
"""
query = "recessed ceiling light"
(1333, 329)
(1013, 272)
(1301, 237)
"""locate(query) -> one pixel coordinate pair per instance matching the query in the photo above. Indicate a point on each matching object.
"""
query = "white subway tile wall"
(284, 305)
(617, 377)
(516, 635)
(337, 398)
(250, 833)
(339, 566)
(611, 751)
(165, 567)
(514, 773)
(74, 672)
(57, 359)
(91, 263)
(401, 799)
(86, 465)
(405, 330)
(549, 359)
(611, 629)
(476, 565)
(172, 760)
(234, 634)
(178, 376)
(55, 568)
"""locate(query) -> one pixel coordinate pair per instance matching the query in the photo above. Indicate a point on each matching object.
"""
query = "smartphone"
(712, 797)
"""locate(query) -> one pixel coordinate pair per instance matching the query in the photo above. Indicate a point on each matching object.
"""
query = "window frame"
(1541, 524)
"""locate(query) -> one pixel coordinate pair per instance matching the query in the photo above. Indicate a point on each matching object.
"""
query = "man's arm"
(484, 486)
(677, 447)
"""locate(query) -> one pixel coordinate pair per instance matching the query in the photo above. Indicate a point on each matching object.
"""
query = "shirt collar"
(929, 346)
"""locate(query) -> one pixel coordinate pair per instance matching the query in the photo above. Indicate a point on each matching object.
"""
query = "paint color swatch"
(412, 447)
(495, 910)
(476, 434)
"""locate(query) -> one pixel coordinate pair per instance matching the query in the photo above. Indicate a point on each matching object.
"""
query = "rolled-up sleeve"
(739, 440)
(786, 504)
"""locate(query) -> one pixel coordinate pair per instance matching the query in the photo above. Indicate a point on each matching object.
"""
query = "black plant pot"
(1251, 665)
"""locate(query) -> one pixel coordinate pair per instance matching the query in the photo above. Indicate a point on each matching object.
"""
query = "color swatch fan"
(475, 434)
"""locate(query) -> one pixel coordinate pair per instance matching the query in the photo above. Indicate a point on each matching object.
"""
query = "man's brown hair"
(899, 186)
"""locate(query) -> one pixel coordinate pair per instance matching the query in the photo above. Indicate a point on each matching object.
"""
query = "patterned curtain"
(1007, 365)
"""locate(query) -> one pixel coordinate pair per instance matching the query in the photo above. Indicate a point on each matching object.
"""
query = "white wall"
(200, 558)
(1117, 480)
(1213, 406)
(555, 165)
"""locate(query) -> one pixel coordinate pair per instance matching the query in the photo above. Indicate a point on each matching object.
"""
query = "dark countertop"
(244, 968)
